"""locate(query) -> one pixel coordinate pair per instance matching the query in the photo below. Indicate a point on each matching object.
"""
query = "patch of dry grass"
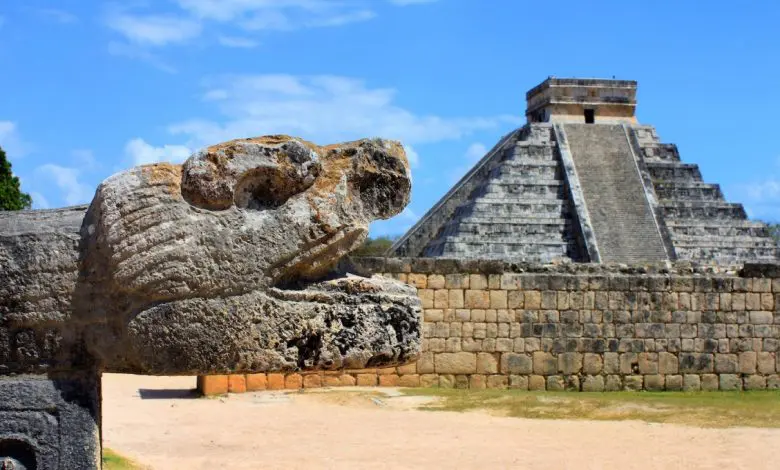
(703, 409)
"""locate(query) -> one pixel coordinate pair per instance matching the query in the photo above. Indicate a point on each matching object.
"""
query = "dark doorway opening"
(590, 116)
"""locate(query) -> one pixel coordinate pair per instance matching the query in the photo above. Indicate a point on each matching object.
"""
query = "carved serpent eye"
(270, 187)
(252, 174)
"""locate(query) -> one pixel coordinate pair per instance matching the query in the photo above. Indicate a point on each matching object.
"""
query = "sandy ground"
(154, 420)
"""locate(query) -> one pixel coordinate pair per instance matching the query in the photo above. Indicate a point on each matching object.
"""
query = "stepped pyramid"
(584, 181)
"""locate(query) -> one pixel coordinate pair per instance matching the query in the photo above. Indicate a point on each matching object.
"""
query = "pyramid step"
(661, 153)
(509, 230)
(688, 191)
(726, 255)
(531, 153)
(539, 170)
(718, 228)
(723, 242)
(668, 172)
(702, 210)
(512, 191)
(513, 209)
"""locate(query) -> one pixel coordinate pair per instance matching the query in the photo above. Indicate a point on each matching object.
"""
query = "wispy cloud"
(239, 42)
(761, 198)
(67, 180)
(139, 152)
(59, 16)
(323, 108)
(154, 30)
(11, 141)
(135, 52)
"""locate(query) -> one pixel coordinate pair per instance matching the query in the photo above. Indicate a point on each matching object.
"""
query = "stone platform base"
(49, 423)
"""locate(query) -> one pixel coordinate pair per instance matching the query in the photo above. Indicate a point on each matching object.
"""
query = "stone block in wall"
(210, 385)
(754, 382)
(593, 383)
(237, 383)
(477, 382)
(674, 382)
(633, 383)
(456, 281)
(726, 363)
(654, 382)
(537, 383)
(293, 381)
(425, 363)
(729, 382)
(429, 380)
(477, 299)
(613, 383)
(446, 381)
(545, 363)
(366, 380)
(592, 364)
(748, 362)
(455, 363)
(709, 382)
(312, 381)
(436, 281)
(518, 382)
(555, 383)
(570, 363)
(532, 300)
(773, 382)
(691, 383)
(497, 381)
(455, 298)
(761, 318)
(765, 363)
(487, 363)
(478, 282)
(409, 380)
(420, 281)
(390, 380)
(256, 382)
(516, 363)
(648, 363)
(696, 363)
(668, 363)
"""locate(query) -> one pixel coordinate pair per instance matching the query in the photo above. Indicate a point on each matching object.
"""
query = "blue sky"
(91, 87)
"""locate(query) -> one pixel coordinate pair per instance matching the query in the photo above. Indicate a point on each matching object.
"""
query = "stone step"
(508, 230)
(718, 228)
(668, 172)
(688, 191)
(540, 170)
(531, 153)
(661, 153)
(723, 242)
(726, 255)
(702, 210)
(539, 189)
(537, 252)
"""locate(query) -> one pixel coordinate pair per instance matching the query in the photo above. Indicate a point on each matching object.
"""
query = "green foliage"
(115, 461)
(11, 196)
(375, 246)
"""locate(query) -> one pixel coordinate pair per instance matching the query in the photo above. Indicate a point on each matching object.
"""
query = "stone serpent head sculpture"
(224, 263)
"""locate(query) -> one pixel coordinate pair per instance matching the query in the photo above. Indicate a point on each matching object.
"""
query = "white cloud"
(404, 3)
(476, 151)
(11, 142)
(233, 41)
(135, 52)
(60, 16)
(412, 156)
(323, 108)
(67, 180)
(142, 153)
(154, 30)
(84, 158)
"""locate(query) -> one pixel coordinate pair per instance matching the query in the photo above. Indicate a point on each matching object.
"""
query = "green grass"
(114, 461)
(705, 409)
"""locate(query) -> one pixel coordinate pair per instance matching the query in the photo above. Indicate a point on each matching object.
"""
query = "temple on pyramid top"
(583, 181)
(582, 100)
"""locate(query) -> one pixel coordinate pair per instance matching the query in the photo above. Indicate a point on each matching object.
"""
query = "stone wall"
(575, 327)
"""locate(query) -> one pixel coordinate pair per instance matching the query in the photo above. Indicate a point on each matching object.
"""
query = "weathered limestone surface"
(222, 264)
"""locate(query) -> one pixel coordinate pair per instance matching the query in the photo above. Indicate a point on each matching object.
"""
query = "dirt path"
(270, 430)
